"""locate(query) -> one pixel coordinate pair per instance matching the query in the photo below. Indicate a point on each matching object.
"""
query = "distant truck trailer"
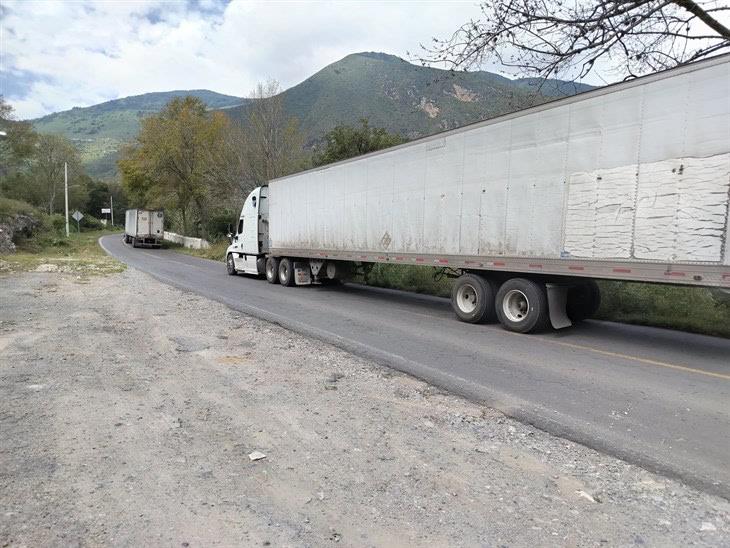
(144, 228)
(625, 182)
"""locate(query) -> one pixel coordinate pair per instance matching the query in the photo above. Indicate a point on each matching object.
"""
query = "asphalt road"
(655, 397)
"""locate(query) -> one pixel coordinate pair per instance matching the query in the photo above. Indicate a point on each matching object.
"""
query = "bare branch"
(558, 38)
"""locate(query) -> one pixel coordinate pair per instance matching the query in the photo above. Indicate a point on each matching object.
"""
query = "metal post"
(111, 207)
(65, 184)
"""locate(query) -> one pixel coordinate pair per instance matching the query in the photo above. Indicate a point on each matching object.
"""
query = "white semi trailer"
(626, 182)
(144, 228)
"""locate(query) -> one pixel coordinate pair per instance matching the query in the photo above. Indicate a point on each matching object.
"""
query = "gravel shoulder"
(129, 409)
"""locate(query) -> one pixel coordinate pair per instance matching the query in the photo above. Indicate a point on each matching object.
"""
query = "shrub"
(55, 223)
(10, 208)
(218, 224)
(90, 222)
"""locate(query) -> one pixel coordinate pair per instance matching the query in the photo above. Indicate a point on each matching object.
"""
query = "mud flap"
(557, 300)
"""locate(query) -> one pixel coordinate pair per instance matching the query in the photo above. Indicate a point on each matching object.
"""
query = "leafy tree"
(174, 158)
(18, 143)
(548, 38)
(47, 173)
(344, 142)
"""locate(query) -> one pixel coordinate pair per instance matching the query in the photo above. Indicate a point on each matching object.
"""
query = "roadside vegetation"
(79, 254)
(39, 242)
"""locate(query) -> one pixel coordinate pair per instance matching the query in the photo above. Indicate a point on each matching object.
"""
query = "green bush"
(56, 222)
(418, 279)
(10, 207)
(90, 222)
(696, 309)
(218, 224)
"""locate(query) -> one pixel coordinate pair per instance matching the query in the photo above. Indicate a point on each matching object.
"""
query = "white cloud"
(57, 55)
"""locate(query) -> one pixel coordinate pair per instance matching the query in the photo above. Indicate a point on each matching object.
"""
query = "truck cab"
(250, 238)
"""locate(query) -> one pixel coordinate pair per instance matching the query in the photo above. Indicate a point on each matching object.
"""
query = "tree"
(552, 38)
(344, 142)
(173, 159)
(46, 174)
(274, 144)
(18, 145)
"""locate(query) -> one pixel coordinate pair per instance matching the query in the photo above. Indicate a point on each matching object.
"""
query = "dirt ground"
(129, 409)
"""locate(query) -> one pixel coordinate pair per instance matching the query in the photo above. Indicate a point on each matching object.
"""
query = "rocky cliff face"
(13, 227)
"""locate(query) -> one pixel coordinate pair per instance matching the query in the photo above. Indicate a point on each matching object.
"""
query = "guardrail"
(186, 241)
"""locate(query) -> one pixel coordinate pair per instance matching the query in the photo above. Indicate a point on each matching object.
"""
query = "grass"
(695, 309)
(78, 254)
(216, 251)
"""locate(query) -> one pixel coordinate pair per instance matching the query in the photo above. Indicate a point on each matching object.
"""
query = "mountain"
(100, 130)
(404, 98)
(390, 92)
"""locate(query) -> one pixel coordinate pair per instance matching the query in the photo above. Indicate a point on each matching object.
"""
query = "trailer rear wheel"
(472, 298)
(286, 272)
(230, 265)
(583, 301)
(522, 305)
(272, 270)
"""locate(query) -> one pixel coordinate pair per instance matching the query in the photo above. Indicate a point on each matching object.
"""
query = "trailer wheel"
(522, 305)
(272, 270)
(134, 242)
(583, 301)
(472, 298)
(230, 265)
(286, 272)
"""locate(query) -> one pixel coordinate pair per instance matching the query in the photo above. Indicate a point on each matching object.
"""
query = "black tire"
(260, 266)
(472, 298)
(272, 270)
(230, 265)
(522, 306)
(583, 301)
(286, 272)
(134, 242)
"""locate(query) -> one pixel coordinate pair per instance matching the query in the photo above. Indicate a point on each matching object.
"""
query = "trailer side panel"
(639, 173)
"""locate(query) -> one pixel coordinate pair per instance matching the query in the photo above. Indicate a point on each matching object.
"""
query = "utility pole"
(65, 184)
(111, 207)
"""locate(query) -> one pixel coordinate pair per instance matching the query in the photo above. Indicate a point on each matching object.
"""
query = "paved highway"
(658, 398)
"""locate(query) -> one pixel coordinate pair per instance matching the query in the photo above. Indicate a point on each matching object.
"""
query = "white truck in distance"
(144, 228)
(626, 182)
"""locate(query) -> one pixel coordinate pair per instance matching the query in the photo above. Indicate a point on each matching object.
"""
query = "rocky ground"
(130, 412)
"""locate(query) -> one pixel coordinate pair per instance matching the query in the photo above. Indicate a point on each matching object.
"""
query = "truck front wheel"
(230, 265)
(272, 270)
(286, 272)
(472, 298)
(522, 305)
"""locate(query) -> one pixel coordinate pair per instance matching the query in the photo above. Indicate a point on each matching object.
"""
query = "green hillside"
(100, 130)
(408, 99)
(390, 92)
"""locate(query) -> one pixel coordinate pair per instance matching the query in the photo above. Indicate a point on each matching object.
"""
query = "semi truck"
(144, 227)
(526, 210)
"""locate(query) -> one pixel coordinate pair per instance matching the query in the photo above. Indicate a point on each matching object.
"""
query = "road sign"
(106, 210)
(77, 215)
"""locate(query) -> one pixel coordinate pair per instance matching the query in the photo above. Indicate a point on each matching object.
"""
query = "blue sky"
(60, 54)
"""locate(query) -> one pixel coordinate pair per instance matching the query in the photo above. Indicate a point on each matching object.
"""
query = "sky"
(58, 54)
